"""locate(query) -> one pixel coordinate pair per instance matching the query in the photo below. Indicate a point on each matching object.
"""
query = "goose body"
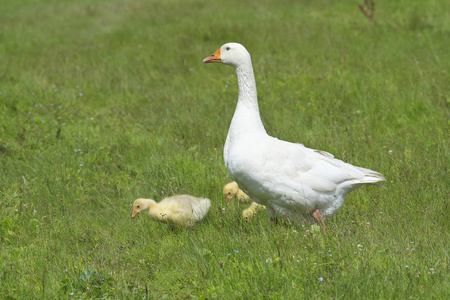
(288, 178)
(182, 210)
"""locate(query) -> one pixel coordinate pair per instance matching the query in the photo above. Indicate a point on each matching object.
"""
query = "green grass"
(141, 116)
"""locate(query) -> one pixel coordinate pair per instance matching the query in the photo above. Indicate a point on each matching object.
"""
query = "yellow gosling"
(181, 210)
(252, 210)
(231, 191)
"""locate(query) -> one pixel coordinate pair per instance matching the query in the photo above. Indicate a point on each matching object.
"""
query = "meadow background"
(102, 102)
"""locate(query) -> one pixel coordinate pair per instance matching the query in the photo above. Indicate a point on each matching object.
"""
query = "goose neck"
(149, 203)
(247, 84)
(246, 117)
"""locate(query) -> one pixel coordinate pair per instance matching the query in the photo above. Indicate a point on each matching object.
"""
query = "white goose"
(288, 178)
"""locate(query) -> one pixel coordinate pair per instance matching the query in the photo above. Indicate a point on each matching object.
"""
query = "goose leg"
(272, 215)
(318, 217)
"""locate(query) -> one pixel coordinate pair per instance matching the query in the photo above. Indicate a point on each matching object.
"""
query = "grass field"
(102, 102)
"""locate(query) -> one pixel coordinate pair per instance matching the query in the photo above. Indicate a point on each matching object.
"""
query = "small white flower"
(320, 278)
(35, 211)
(390, 152)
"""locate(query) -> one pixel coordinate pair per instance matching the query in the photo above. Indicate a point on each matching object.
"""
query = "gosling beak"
(135, 212)
(228, 199)
(215, 57)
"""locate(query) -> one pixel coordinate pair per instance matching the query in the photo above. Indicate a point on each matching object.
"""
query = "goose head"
(230, 54)
(230, 190)
(140, 205)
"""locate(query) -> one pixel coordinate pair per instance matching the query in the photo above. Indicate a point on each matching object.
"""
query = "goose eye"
(228, 48)
(138, 206)
(229, 193)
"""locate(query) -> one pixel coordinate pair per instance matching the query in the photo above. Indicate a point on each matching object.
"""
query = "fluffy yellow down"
(231, 190)
(181, 210)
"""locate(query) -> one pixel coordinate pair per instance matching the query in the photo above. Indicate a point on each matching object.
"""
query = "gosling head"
(140, 205)
(230, 190)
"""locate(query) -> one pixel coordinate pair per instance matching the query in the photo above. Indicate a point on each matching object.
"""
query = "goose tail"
(371, 177)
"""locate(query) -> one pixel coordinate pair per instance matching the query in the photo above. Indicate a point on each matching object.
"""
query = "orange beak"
(135, 212)
(215, 57)
(228, 199)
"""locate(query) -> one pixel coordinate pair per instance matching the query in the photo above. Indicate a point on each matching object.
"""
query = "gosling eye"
(137, 206)
(229, 193)
(228, 48)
